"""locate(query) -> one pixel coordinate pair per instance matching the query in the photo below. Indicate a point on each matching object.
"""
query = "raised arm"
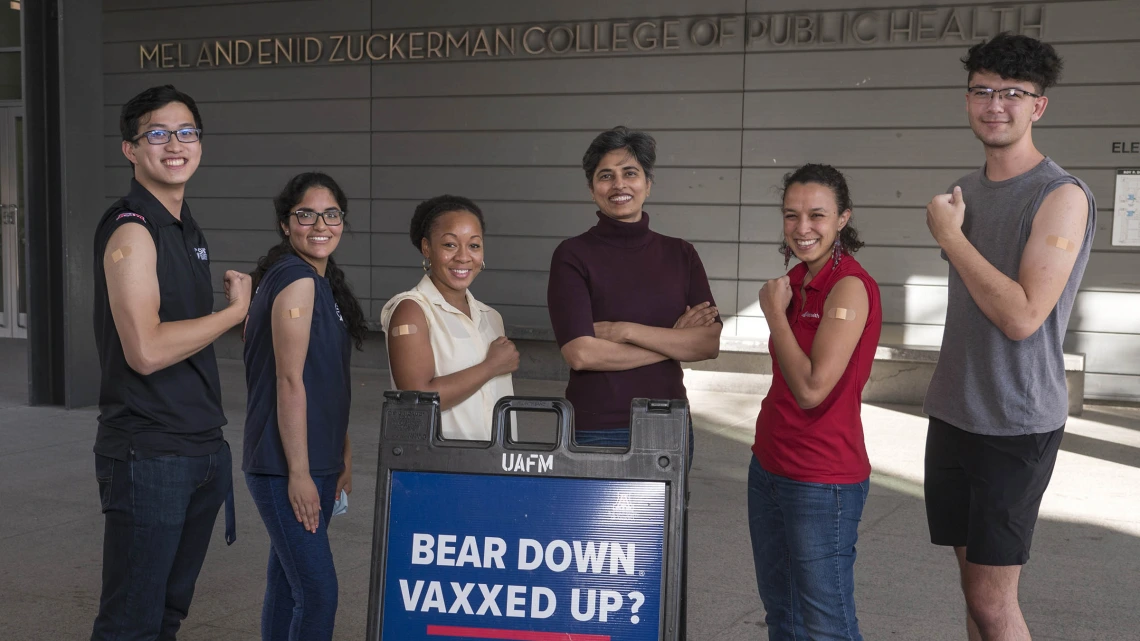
(811, 378)
(1017, 307)
(413, 360)
(149, 344)
(292, 319)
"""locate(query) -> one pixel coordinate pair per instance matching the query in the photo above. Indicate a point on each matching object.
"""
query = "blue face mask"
(341, 504)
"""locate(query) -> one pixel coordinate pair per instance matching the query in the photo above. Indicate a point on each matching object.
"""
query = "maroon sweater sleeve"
(568, 295)
(699, 289)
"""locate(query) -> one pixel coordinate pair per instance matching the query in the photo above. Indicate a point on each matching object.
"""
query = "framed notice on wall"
(1126, 208)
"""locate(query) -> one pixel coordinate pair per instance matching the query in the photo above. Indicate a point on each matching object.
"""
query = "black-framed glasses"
(162, 136)
(332, 217)
(983, 95)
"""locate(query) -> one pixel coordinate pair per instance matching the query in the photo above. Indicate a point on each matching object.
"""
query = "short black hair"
(641, 146)
(151, 100)
(834, 180)
(1016, 57)
(431, 209)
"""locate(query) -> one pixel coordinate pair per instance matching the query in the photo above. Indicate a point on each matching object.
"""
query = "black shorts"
(983, 492)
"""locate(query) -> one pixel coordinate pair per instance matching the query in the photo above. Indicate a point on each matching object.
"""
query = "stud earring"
(786, 250)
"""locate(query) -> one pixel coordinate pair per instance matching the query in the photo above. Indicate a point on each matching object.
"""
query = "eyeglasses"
(162, 136)
(307, 218)
(1012, 95)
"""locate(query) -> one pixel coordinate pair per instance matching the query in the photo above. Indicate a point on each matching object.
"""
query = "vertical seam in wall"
(371, 162)
(740, 182)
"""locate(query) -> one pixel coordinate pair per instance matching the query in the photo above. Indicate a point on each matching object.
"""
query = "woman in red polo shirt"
(808, 479)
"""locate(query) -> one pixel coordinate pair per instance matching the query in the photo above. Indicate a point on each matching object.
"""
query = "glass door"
(13, 297)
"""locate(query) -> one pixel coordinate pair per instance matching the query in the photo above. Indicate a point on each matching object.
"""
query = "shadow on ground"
(1082, 583)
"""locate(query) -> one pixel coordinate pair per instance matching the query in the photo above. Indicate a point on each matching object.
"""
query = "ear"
(844, 218)
(129, 152)
(425, 247)
(1039, 108)
(285, 228)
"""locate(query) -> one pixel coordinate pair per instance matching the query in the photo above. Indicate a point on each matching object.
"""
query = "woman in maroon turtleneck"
(627, 304)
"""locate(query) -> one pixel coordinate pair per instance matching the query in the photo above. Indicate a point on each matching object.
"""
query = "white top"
(458, 342)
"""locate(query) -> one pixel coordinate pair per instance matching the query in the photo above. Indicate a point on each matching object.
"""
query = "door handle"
(8, 214)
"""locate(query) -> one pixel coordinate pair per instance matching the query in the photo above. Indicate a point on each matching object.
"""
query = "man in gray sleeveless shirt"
(1017, 234)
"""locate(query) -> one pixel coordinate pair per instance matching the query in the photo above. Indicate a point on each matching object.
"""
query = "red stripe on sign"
(510, 635)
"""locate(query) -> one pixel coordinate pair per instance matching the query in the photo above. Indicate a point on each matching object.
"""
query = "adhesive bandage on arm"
(404, 330)
(120, 253)
(293, 312)
(841, 313)
(1060, 243)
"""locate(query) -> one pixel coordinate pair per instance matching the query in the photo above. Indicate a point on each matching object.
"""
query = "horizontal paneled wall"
(730, 120)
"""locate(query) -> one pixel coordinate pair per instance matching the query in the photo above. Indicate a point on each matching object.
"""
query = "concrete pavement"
(1083, 582)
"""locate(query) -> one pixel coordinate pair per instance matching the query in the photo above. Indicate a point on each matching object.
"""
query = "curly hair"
(1016, 57)
(284, 204)
(834, 180)
(431, 209)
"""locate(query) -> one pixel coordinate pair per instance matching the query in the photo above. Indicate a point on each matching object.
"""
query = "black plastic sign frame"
(410, 442)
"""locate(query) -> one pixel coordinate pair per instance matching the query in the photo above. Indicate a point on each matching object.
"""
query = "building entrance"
(13, 297)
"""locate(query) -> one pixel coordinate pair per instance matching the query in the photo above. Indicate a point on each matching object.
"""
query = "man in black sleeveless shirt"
(163, 467)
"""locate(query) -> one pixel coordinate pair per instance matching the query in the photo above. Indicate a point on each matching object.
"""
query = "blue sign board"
(523, 558)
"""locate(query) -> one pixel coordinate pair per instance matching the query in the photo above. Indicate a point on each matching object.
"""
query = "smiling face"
(619, 186)
(455, 249)
(315, 243)
(811, 222)
(1000, 123)
(169, 165)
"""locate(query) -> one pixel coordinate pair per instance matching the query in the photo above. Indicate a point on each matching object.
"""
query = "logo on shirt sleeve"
(201, 253)
(130, 214)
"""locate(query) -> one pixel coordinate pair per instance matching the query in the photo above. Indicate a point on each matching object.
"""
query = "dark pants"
(803, 544)
(300, 585)
(160, 513)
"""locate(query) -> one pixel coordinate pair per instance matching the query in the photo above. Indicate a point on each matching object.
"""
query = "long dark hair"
(283, 206)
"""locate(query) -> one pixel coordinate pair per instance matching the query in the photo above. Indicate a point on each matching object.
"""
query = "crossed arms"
(620, 345)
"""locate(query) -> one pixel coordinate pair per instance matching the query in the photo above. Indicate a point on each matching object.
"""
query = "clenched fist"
(238, 288)
(945, 215)
(775, 296)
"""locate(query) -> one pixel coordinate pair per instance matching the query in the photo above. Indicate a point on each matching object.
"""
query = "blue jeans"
(803, 544)
(618, 437)
(160, 513)
(300, 583)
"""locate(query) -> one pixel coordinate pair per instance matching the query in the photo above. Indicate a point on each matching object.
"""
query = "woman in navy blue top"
(297, 457)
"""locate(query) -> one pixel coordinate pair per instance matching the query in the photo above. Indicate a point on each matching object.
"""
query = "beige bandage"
(294, 312)
(841, 313)
(1060, 243)
(404, 330)
(120, 253)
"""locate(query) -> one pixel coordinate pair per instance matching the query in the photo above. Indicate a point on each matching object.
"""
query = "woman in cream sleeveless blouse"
(439, 337)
